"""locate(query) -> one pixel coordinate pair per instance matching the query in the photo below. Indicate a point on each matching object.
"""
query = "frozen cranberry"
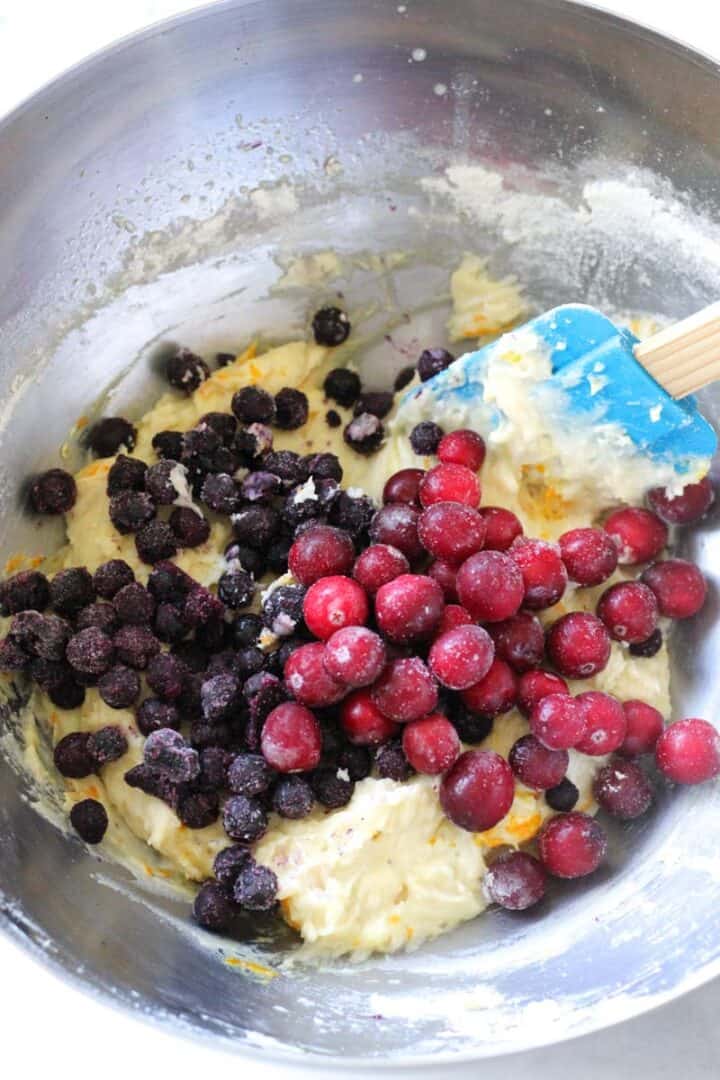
(319, 552)
(520, 640)
(543, 571)
(332, 603)
(490, 585)
(453, 616)
(639, 535)
(495, 693)
(571, 845)
(446, 576)
(693, 501)
(355, 656)
(679, 587)
(578, 645)
(535, 765)
(557, 721)
(623, 789)
(463, 447)
(478, 790)
(462, 657)
(629, 610)
(431, 745)
(409, 607)
(605, 723)
(403, 487)
(502, 527)
(590, 555)
(515, 881)
(451, 531)
(533, 686)
(377, 565)
(291, 739)
(644, 725)
(688, 752)
(362, 721)
(406, 690)
(308, 680)
(397, 525)
(449, 483)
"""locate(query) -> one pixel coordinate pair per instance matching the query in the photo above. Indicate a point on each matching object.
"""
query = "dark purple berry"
(168, 582)
(288, 466)
(111, 576)
(352, 513)
(213, 909)
(291, 409)
(256, 526)
(236, 588)
(213, 769)
(249, 774)
(277, 555)
(244, 819)
(27, 591)
(89, 820)
(167, 751)
(333, 419)
(155, 542)
(68, 694)
(107, 744)
(283, 609)
(53, 492)
(220, 493)
(198, 809)
(152, 781)
(471, 727)
(249, 559)
(126, 474)
(219, 697)
(201, 606)
(293, 798)
(391, 763)
(251, 444)
(331, 327)
(191, 529)
(154, 714)
(72, 756)
(330, 789)
(158, 482)
(169, 624)
(109, 435)
(119, 687)
(221, 663)
(213, 634)
(130, 510)
(203, 735)
(223, 424)
(194, 656)
(251, 405)
(432, 362)
(650, 647)
(256, 887)
(356, 761)
(563, 797)
(222, 359)
(102, 615)
(134, 604)
(45, 636)
(90, 652)
(186, 371)
(323, 467)
(71, 590)
(403, 378)
(166, 676)
(260, 487)
(168, 444)
(425, 437)
(228, 863)
(377, 402)
(14, 658)
(365, 433)
(135, 645)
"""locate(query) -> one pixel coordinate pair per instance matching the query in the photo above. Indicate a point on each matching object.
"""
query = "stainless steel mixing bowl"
(150, 195)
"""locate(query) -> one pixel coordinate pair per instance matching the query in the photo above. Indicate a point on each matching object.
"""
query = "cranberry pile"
(406, 630)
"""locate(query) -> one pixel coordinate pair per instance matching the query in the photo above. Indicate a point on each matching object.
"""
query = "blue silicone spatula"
(603, 376)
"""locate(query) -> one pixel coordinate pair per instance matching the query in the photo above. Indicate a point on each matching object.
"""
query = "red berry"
(409, 608)
(578, 645)
(463, 447)
(605, 723)
(502, 527)
(623, 789)
(446, 577)
(406, 690)
(590, 555)
(308, 680)
(533, 686)
(355, 656)
(543, 571)
(644, 727)
(693, 501)
(332, 603)
(639, 534)
(478, 791)
(515, 881)
(629, 611)
(571, 845)
(431, 744)
(450, 483)
(291, 739)
(402, 487)
(536, 766)
(320, 552)
(520, 640)
(396, 525)
(679, 587)
(452, 617)
(451, 531)
(461, 657)
(377, 565)
(557, 721)
(495, 693)
(688, 752)
(490, 585)
(362, 721)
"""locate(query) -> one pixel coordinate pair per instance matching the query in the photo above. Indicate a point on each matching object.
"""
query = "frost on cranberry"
(478, 790)
(495, 693)
(644, 725)
(291, 739)
(590, 555)
(688, 752)
(377, 565)
(533, 686)
(403, 487)
(406, 690)
(409, 607)
(363, 722)
(449, 483)
(543, 571)
(520, 641)
(629, 610)
(309, 681)
(515, 881)
(462, 447)
(462, 657)
(319, 552)
(605, 723)
(431, 745)
(679, 587)
(535, 765)
(578, 645)
(557, 721)
(333, 603)
(502, 527)
(690, 505)
(490, 585)
(572, 845)
(453, 616)
(622, 789)
(451, 531)
(355, 656)
(639, 535)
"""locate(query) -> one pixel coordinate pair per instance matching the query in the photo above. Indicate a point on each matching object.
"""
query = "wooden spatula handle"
(684, 357)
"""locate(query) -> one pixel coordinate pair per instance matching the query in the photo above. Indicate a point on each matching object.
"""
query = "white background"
(47, 1028)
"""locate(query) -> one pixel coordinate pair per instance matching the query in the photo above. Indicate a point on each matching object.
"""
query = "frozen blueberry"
(222, 359)
(251, 405)
(27, 591)
(246, 630)
(283, 609)
(249, 774)
(198, 809)
(220, 493)
(111, 434)
(220, 663)
(228, 863)
(213, 634)
(223, 424)
(14, 658)
(53, 492)
(166, 676)
(377, 402)
(343, 386)
(155, 542)
(244, 819)
(252, 443)
(470, 727)
(68, 694)
(191, 529)
(256, 887)
(330, 789)
(302, 504)
(293, 798)
(101, 614)
(236, 588)
(186, 371)
(72, 756)
(248, 558)
(119, 687)
(213, 769)
(333, 419)
(107, 744)
(154, 714)
(403, 378)
(168, 444)
(265, 696)
(194, 656)
(352, 513)
(277, 555)
(110, 577)
(323, 467)
(425, 437)
(213, 909)
(365, 433)
(260, 487)
(432, 362)
(135, 645)
(168, 582)
(167, 751)
(48, 674)
(219, 696)
(90, 652)
(199, 449)
(331, 327)
(203, 735)
(563, 797)
(291, 408)
(158, 483)
(256, 526)
(134, 604)
(356, 761)
(71, 590)
(169, 623)
(89, 820)
(45, 636)
(650, 647)
(152, 781)
(130, 510)
(126, 474)
(288, 466)
(391, 762)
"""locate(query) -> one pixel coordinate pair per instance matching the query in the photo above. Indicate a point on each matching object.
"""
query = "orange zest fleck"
(394, 919)
(81, 423)
(148, 870)
(252, 967)
(93, 792)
